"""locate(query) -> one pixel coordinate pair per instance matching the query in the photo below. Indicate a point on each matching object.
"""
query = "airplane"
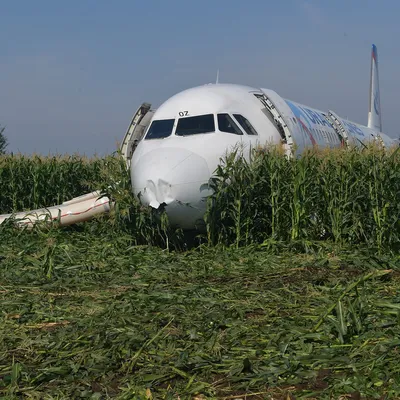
(173, 151)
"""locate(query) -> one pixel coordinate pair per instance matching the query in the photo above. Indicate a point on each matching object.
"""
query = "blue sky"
(72, 73)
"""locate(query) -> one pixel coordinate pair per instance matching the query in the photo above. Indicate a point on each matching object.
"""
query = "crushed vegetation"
(97, 317)
(293, 293)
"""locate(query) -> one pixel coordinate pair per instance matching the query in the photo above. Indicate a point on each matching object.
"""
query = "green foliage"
(342, 196)
(297, 301)
(31, 182)
(346, 196)
(34, 182)
(93, 316)
(3, 141)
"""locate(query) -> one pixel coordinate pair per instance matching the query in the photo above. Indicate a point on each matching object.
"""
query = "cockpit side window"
(160, 129)
(245, 124)
(195, 125)
(227, 124)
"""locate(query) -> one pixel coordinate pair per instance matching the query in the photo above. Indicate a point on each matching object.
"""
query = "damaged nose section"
(175, 179)
(156, 193)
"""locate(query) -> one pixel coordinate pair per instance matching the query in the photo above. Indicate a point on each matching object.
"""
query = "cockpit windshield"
(160, 129)
(195, 125)
(227, 124)
(245, 124)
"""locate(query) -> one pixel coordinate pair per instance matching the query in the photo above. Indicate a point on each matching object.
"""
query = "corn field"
(29, 183)
(36, 181)
(292, 293)
(341, 196)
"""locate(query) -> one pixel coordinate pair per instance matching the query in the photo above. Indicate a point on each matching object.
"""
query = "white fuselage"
(193, 130)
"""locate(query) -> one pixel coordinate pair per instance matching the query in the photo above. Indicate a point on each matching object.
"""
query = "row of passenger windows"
(323, 135)
(160, 129)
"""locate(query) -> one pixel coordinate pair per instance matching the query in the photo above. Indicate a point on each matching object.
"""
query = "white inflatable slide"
(78, 209)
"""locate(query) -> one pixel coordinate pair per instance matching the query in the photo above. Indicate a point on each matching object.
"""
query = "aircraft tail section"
(374, 114)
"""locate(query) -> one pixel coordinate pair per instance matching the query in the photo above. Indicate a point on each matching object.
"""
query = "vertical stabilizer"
(374, 114)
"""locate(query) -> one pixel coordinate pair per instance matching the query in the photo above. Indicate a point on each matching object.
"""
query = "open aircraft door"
(136, 129)
(279, 111)
(339, 127)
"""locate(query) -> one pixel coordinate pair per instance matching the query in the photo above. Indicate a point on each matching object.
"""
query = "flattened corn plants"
(95, 317)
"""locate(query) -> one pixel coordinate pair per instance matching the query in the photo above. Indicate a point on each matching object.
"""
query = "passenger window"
(195, 125)
(227, 124)
(245, 124)
(160, 129)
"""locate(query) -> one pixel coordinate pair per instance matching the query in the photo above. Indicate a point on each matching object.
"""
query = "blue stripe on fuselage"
(312, 116)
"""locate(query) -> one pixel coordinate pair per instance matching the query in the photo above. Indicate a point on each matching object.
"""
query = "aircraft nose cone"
(176, 177)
